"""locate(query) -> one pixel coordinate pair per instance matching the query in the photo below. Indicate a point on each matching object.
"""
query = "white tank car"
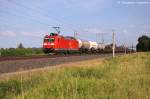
(83, 44)
(87, 44)
(80, 43)
(101, 45)
(93, 45)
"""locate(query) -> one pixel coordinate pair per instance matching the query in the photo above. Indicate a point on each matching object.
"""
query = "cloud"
(133, 2)
(95, 30)
(87, 5)
(92, 30)
(93, 33)
(33, 34)
(8, 33)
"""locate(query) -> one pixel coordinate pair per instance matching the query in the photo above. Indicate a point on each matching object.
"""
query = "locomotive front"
(49, 42)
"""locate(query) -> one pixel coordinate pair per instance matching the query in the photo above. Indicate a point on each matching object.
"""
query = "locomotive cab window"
(45, 40)
(51, 39)
(53, 34)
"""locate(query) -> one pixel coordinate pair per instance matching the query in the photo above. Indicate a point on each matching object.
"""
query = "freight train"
(55, 43)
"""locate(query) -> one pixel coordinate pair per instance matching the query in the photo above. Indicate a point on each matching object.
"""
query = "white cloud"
(33, 34)
(87, 5)
(92, 30)
(95, 30)
(8, 33)
(93, 33)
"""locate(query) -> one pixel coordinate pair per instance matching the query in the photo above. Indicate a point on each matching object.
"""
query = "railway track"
(15, 64)
(13, 58)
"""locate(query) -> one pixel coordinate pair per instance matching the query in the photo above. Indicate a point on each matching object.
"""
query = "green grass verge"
(124, 77)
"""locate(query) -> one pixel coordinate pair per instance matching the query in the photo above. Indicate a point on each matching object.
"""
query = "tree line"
(20, 51)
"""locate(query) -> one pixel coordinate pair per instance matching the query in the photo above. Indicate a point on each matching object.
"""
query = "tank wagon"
(87, 46)
(58, 43)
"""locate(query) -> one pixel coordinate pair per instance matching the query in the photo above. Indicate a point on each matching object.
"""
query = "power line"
(46, 15)
(26, 16)
(29, 18)
(21, 5)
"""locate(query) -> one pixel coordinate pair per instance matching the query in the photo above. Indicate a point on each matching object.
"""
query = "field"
(122, 77)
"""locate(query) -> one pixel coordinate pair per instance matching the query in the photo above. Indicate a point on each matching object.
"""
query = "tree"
(143, 44)
(20, 45)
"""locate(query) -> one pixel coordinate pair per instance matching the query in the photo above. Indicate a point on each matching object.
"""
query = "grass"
(124, 77)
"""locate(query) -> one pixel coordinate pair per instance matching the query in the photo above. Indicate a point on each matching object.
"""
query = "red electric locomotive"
(57, 43)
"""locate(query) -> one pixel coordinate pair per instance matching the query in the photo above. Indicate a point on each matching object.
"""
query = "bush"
(21, 51)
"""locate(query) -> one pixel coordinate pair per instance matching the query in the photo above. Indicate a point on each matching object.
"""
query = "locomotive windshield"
(53, 34)
(49, 40)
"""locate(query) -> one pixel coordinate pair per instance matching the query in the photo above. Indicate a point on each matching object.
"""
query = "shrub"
(21, 51)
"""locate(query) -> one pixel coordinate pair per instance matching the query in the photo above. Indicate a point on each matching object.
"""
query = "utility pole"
(125, 49)
(102, 38)
(97, 37)
(75, 34)
(132, 48)
(0, 52)
(113, 47)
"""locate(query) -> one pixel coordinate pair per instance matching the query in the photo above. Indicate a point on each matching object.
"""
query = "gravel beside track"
(9, 66)
(12, 58)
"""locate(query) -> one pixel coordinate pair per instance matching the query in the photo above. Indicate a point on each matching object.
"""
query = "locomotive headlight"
(45, 43)
(52, 44)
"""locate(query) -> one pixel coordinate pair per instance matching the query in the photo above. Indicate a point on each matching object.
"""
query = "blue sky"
(27, 21)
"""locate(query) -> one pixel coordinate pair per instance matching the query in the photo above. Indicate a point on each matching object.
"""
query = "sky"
(28, 21)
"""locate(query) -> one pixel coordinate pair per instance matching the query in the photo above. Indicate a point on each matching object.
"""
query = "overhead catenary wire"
(25, 17)
(40, 12)
(16, 27)
(45, 15)
(35, 10)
